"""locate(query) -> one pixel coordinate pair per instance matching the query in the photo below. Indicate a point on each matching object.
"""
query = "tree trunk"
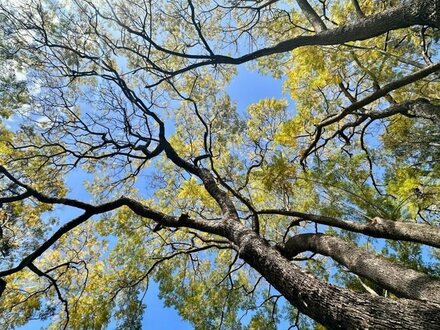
(331, 306)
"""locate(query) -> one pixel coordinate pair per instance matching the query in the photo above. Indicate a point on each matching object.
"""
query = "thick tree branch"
(331, 306)
(211, 186)
(311, 15)
(398, 279)
(37, 195)
(421, 108)
(326, 303)
(399, 83)
(15, 198)
(2, 286)
(376, 227)
(416, 12)
(91, 210)
(138, 208)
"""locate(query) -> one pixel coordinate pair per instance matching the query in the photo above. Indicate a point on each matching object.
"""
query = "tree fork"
(331, 306)
(403, 281)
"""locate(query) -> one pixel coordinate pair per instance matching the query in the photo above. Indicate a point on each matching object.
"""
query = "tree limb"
(376, 227)
(402, 281)
(409, 79)
(358, 9)
(311, 15)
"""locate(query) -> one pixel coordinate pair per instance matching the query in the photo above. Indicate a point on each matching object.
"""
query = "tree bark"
(427, 10)
(331, 306)
(412, 12)
(396, 278)
(376, 227)
(311, 15)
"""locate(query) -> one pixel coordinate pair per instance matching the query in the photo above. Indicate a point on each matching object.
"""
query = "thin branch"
(53, 282)
(409, 79)
(358, 9)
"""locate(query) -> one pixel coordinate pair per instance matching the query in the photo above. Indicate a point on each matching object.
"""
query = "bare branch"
(400, 280)
(376, 227)
(311, 15)
(358, 9)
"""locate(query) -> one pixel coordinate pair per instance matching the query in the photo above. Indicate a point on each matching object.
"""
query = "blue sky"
(250, 86)
(246, 88)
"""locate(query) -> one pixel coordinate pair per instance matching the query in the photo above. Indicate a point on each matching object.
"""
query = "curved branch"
(37, 195)
(220, 196)
(53, 282)
(416, 12)
(358, 9)
(396, 278)
(91, 210)
(327, 303)
(421, 108)
(376, 227)
(409, 79)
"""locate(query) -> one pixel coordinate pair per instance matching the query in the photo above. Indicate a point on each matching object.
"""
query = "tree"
(329, 210)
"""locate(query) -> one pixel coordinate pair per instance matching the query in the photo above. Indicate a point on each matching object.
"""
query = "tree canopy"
(318, 210)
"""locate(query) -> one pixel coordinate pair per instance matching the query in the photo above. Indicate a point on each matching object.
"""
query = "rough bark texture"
(396, 278)
(410, 13)
(376, 227)
(421, 108)
(427, 10)
(415, 12)
(334, 307)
